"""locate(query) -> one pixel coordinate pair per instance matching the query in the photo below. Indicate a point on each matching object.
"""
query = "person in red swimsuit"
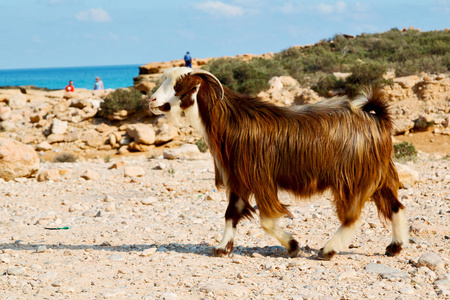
(70, 87)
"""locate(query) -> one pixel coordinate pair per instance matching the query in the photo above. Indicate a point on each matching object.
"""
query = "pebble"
(116, 257)
(41, 249)
(15, 271)
(407, 291)
(386, 272)
(149, 200)
(149, 252)
(431, 260)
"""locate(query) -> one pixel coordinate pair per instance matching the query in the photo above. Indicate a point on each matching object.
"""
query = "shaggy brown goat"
(259, 149)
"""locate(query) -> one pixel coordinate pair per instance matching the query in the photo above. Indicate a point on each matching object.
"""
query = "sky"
(66, 33)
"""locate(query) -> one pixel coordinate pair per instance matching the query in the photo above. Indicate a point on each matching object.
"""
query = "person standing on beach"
(70, 87)
(188, 60)
(98, 84)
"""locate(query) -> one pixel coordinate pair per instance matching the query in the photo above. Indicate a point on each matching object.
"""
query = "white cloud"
(98, 15)
(338, 7)
(219, 8)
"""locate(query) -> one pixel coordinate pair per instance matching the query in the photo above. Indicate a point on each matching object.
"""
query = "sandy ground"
(150, 237)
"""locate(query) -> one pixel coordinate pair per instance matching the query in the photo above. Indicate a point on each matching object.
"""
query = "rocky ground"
(143, 228)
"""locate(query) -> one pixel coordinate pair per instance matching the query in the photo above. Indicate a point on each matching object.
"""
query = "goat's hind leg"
(237, 209)
(270, 226)
(348, 211)
(388, 205)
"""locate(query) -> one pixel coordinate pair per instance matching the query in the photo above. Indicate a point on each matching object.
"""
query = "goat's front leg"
(237, 208)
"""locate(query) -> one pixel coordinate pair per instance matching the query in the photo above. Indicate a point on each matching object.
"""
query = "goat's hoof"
(220, 252)
(393, 249)
(294, 249)
(325, 256)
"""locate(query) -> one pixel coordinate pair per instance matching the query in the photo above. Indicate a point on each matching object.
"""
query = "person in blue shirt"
(98, 84)
(188, 60)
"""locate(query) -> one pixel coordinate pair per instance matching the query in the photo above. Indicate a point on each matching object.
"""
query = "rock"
(168, 296)
(408, 176)
(92, 138)
(109, 207)
(90, 213)
(149, 252)
(133, 146)
(72, 137)
(134, 171)
(116, 257)
(407, 82)
(51, 174)
(80, 103)
(103, 128)
(36, 117)
(118, 115)
(17, 101)
(114, 293)
(15, 271)
(90, 175)
(55, 138)
(149, 200)
(141, 133)
(165, 134)
(145, 86)
(431, 260)
(275, 83)
(112, 140)
(186, 151)
(401, 126)
(17, 159)
(44, 146)
(59, 127)
(75, 207)
(118, 165)
(41, 249)
(5, 113)
(385, 272)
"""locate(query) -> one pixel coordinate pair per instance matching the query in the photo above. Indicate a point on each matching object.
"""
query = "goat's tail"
(375, 104)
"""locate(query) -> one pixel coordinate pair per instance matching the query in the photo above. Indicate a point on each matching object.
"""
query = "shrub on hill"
(407, 52)
(121, 99)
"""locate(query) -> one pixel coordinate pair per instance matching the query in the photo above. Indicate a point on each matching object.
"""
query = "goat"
(259, 149)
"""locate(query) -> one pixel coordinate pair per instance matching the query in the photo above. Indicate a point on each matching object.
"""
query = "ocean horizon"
(113, 77)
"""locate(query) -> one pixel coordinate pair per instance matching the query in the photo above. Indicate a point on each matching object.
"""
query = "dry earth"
(150, 237)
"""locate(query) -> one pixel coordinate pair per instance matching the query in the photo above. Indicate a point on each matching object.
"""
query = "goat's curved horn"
(200, 71)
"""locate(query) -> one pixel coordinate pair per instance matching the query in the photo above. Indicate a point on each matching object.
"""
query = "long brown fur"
(260, 148)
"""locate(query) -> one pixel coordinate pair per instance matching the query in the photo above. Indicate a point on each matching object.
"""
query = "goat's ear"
(186, 88)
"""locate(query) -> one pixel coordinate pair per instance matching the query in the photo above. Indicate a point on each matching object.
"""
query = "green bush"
(121, 99)
(64, 158)
(368, 74)
(405, 151)
(201, 145)
(328, 83)
(366, 56)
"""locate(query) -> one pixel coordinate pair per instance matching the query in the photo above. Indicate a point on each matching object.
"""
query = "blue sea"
(113, 77)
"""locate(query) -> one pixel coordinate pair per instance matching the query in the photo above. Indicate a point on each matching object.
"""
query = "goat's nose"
(152, 99)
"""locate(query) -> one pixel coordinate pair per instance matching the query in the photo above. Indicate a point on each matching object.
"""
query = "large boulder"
(17, 159)
(141, 133)
(59, 127)
(17, 101)
(407, 175)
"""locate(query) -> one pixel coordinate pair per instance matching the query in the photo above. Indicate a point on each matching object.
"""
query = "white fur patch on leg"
(228, 235)
(271, 227)
(400, 230)
(342, 238)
